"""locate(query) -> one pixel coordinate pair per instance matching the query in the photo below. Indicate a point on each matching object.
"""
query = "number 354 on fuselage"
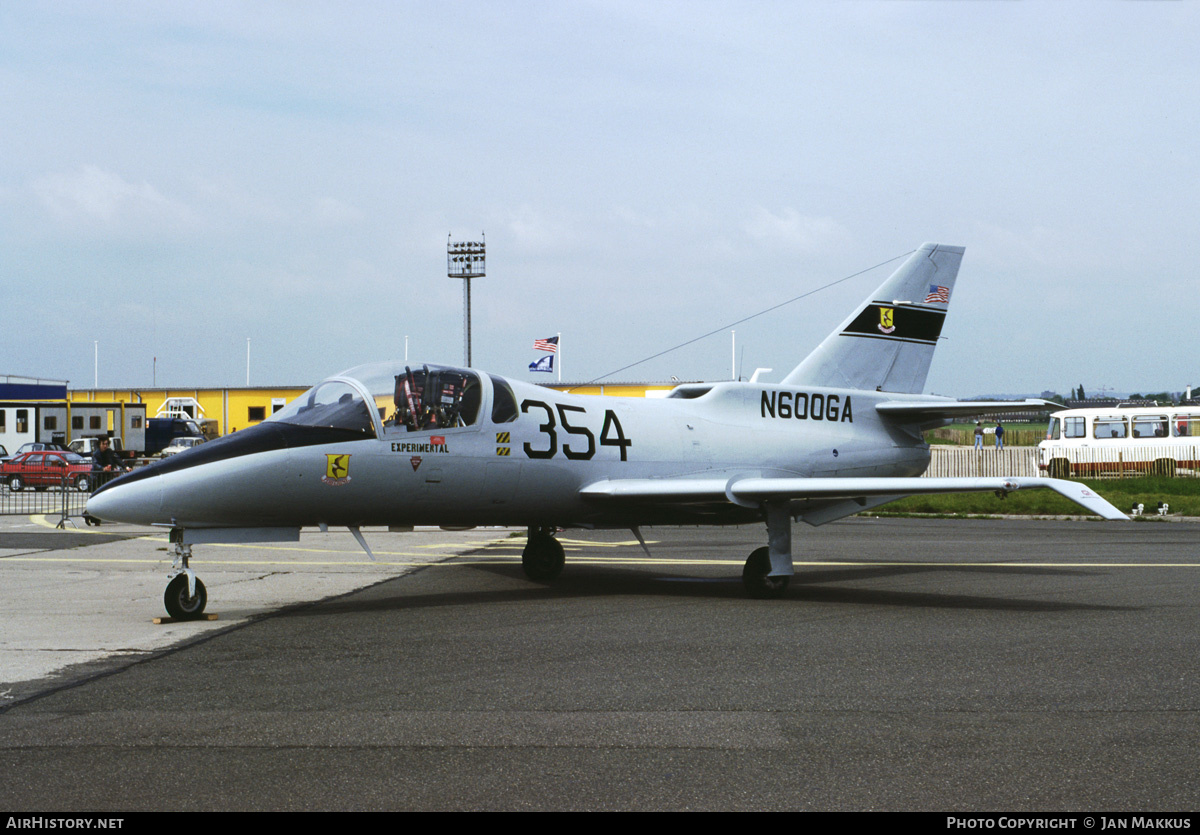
(399, 445)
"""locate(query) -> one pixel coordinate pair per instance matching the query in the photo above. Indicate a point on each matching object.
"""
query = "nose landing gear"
(182, 602)
(185, 597)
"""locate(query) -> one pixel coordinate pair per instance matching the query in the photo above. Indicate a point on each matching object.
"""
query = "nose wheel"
(185, 597)
(183, 603)
(543, 557)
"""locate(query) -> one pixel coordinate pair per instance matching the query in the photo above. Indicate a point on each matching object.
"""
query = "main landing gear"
(765, 575)
(768, 570)
(757, 579)
(543, 556)
(185, 597)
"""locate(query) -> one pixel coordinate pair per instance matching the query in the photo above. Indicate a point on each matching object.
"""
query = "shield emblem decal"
(337, 469)
(886, 315)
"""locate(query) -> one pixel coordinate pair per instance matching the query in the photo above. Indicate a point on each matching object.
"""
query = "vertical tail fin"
(888, 342)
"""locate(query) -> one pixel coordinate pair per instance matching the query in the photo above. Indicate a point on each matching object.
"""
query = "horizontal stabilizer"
(925, 411)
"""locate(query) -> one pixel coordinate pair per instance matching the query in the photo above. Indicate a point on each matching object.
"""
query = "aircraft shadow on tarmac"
(592, 581)
(55, 540)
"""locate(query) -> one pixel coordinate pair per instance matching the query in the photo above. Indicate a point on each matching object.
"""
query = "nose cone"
(137, 502)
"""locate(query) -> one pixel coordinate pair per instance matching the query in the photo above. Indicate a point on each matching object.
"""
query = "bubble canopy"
(392, 397)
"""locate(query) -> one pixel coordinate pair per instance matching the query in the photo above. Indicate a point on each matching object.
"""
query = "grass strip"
(1181, 494)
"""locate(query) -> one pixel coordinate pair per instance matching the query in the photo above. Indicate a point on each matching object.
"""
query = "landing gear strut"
(768, 570)
(543, 556)
(756, 577)
(185, 597)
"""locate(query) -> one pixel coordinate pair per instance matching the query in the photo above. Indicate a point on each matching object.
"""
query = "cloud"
(535, 234)
(788, 229)
(93, 196)
(329, 211)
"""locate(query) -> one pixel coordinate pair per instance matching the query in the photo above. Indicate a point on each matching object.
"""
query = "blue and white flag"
(546, 363)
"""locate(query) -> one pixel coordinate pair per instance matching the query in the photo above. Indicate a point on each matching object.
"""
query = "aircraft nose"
(137, 502)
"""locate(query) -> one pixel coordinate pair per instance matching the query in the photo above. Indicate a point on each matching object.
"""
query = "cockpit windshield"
(331, 404)
(407, 399)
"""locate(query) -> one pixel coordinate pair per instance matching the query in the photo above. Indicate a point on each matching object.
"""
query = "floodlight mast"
(466, 260)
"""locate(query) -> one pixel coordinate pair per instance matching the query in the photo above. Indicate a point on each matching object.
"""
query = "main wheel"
(1060, 468)
(16, 484)
(543, 558)
(754, 577)
(179, 605)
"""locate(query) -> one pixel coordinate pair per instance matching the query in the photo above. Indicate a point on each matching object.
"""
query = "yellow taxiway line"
(572, 545)
(458, 560)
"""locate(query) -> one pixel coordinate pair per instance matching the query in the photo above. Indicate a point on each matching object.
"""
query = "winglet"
(1078, 493)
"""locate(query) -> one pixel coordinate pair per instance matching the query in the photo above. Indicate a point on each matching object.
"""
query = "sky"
(179, 178)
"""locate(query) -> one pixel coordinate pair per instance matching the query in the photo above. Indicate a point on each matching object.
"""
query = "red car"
(46, 469)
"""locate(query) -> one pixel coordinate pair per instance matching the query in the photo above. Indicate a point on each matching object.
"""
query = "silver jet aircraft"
(396, 445)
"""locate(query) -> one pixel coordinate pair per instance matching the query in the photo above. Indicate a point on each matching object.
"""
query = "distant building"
(31, 388)
(616, 389)
(223, 409)
(34, 409)
(1093, 403)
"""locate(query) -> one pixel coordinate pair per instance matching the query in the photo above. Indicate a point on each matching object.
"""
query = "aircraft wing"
(924, 411)
(833, 497)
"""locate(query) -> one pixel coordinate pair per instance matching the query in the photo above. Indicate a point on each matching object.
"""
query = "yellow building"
(615, 389)
(224, 409)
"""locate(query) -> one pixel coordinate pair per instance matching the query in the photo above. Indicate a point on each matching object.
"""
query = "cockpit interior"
(423, 398)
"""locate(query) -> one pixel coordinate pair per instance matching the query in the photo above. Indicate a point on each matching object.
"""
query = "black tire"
(543, 558)
(16, 484)
(83, 484)
(179, 605)
(754, 577)
(1060, 468)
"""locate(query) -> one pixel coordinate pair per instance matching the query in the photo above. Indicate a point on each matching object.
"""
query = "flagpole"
(560, 357)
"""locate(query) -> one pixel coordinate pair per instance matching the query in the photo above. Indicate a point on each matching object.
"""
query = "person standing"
(106, 463)
(999, 436)
(978, 435)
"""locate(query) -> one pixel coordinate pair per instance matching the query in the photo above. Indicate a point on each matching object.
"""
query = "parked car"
(46, 469)
(37, 446)
(88, 447)
(180, 444)
(4, 456)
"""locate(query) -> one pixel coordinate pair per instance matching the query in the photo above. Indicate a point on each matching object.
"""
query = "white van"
(1114, 440)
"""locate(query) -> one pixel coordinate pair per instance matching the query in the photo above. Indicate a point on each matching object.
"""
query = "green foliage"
(1182, 494)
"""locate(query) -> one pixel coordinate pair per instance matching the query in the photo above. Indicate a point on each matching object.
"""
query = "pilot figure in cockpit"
(407, 398)
(434, 399)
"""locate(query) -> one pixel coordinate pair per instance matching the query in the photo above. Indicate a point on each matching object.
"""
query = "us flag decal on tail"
(938, 294)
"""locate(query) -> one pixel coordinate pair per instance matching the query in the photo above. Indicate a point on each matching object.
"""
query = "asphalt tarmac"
(913, 665)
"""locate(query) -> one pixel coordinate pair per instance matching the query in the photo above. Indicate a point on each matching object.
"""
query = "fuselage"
(384, 445)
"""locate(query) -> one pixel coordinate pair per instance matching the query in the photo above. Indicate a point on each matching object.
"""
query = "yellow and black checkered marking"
(502, 438)
(502, 450)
